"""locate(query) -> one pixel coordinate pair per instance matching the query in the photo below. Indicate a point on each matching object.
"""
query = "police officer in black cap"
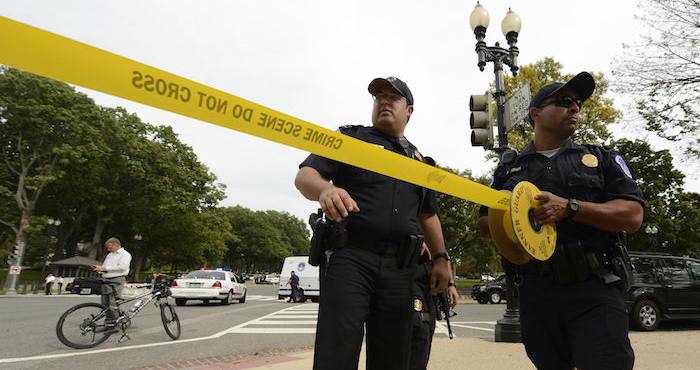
(364, 283)
(572, 311)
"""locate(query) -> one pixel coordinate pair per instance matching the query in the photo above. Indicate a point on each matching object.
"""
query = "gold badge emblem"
(418, 305)
(589, 160)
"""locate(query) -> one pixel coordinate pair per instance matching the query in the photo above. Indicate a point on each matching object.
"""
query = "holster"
(572, 263)
(408, 254)
(319, 228)
(622, 265)
(327, 235)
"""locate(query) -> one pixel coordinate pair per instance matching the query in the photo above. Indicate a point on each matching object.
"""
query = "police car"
(206, 285)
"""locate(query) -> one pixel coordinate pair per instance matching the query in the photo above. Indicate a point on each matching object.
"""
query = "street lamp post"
(508, 327)
(138, 240)
(52, 231)
(652, 232)
(510, 26)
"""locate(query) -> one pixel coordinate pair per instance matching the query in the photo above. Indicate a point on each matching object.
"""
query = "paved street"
(261, 325)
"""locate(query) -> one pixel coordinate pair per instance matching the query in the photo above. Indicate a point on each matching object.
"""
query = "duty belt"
(374, 246)
(571, 263)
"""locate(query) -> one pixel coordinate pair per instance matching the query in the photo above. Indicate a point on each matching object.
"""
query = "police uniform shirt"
(388, 207)
(587, 173)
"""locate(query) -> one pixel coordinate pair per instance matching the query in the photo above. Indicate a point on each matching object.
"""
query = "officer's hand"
(453, 295)
(552, 208)
(440, 276)
(336, 203)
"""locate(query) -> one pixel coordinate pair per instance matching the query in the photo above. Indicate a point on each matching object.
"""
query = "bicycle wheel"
(83, 326)
(171, 322)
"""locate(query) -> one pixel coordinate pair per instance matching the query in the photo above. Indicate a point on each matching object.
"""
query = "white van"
(308, 278)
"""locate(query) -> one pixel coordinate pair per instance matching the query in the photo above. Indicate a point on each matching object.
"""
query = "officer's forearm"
(310, 183)
(432, 231)
(615, 215)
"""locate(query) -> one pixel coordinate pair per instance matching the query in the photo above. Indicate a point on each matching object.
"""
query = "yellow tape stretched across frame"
(60, 58)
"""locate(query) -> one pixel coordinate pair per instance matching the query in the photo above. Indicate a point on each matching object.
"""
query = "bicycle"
(84, 325)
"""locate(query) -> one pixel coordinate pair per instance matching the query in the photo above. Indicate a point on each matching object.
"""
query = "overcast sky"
(314, 59)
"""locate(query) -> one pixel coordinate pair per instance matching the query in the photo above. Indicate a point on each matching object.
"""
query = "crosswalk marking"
(262, 298)
(470, 325)
(301, 319)
(270, 323)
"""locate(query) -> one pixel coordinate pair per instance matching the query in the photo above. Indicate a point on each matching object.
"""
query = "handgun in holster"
(621, 263)
(408, 254)
(319, 227)
(327, 235)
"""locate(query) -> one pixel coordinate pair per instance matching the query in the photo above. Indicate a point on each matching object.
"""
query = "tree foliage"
(672, 211)
(598, 111)
(459, 218)
(662, 71)
(264, 238)
(104, 173)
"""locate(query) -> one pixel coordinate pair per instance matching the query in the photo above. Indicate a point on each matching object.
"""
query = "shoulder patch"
(623, 166)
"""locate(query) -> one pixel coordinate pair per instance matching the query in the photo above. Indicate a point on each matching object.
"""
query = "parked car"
(272, 279)
(664, 287)
(490, 291)
(206, 285)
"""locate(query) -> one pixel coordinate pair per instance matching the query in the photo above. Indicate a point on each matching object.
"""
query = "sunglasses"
(564, 102)
(391, 97)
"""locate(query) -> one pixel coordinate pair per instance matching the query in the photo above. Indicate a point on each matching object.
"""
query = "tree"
(44, 125)
(662, 71)
(264, 238)
(598, 110)
(459, 219)
(673, 212)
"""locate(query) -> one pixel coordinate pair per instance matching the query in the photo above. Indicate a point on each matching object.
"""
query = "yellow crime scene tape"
(44, 53)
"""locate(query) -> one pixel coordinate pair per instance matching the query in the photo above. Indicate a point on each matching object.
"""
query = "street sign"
(516, 107)
(14, 270)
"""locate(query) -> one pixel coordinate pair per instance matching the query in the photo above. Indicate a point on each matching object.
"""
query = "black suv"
(490, 291)
(664, 287)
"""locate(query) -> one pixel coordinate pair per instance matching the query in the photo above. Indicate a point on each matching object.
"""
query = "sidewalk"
(676, 350)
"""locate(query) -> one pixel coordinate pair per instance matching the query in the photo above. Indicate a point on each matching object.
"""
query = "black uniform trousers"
(582, 324)
(360, 287)
(294, 295)
(423, 319)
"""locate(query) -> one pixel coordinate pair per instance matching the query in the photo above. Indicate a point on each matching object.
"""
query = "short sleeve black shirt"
(388, 207)
(584, 172)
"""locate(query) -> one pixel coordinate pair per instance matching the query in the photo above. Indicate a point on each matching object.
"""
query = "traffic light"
(15, 255)
(480, 121)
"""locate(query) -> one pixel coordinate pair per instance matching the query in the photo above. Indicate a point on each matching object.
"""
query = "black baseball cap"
(583, 84)
(395, 83)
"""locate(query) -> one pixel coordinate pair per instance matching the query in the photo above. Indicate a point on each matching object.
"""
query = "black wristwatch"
(572, 208)
(441, 255)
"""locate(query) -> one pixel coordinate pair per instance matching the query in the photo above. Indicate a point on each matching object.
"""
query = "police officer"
(425, 313)
(364, 283)
(572, 311)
